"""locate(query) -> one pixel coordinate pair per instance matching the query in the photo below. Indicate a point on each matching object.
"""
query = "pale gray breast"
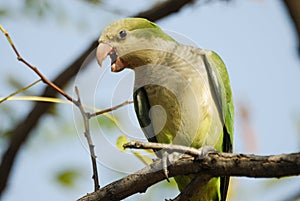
(177, 81)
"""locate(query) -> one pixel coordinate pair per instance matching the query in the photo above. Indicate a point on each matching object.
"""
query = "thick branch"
(293, 7)
(22, 131)
(215, 164)
(294, 197)
(164, 9)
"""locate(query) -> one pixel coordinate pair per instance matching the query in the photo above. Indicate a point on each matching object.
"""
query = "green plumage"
(182, 94)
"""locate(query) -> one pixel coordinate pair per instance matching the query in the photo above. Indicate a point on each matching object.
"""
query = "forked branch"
(85, 115)
(214, 164)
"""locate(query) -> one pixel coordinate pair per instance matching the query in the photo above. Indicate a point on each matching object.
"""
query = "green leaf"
(145, 159)
(68, 177)
(171, 184)
(17, 84)
(106, 122)
(6, 134)
(94, 1)
(3, 12)
(120, 141)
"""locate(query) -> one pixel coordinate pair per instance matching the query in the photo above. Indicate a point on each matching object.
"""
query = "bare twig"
(87, 134)
(164, 9)
(110, 109)
(86, 116)
(43, 78)
(214, 164)
(158, 146)
(23, 130)
(293, 8)
(19, 91)
(68, 97)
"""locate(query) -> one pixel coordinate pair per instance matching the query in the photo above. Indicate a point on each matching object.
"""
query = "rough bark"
(216, 164)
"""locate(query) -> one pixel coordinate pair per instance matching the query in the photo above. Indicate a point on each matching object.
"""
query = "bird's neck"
(146, 53)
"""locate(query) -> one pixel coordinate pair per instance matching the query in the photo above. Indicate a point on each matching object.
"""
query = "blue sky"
(255, 40)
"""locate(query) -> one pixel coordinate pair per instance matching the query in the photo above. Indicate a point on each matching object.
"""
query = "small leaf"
(94, 1)
(20, 90)
(6, 134)
(120, 141)
(106, 121)
(68, 178)
(171, 184)
(3, 12)
(149, 151)
(34, 98)
(145, 159)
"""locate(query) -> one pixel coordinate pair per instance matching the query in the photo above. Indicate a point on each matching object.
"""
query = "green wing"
(221, 83)
(142, 108)
(222, 95)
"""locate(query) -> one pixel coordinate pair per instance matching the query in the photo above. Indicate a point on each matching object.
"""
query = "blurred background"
(257, 40)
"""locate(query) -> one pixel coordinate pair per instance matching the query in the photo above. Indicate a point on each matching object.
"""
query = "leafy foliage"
(68, 177)
(120, 141)
(106, 121)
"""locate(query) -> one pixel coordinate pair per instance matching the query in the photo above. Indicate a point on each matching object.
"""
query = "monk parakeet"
(182, 93)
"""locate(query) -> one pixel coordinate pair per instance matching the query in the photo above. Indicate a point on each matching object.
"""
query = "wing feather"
(222, 95)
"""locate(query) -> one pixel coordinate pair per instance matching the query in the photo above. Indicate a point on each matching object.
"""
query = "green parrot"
(182, 94)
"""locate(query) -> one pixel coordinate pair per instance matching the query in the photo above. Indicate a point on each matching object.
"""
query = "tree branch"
(293, 8)
(87, 134)
(22, 131)
(77, 103)
(166, 147)
(214, 165)
(164, 9)
(110, 109)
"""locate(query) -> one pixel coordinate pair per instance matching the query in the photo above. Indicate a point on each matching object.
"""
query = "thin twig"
(87, 134)
(68, 97)
(110, 109)
(19, 91)
(167, 147)
(23, 129)
(43, 78)
(86, 116)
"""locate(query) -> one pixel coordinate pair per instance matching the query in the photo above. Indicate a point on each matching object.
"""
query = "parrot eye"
(122, 34)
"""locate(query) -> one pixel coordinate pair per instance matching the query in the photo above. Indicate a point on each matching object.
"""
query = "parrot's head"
(130, 43)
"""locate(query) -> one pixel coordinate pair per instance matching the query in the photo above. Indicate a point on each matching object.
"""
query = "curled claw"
(204, 151)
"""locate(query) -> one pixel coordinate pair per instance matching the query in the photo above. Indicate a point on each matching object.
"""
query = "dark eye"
(122, 34)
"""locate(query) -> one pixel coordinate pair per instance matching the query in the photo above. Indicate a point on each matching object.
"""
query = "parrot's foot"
(204, 151)
(165, 165)
(168, 159)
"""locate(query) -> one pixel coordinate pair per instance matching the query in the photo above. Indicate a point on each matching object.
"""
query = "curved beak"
(104, 50)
